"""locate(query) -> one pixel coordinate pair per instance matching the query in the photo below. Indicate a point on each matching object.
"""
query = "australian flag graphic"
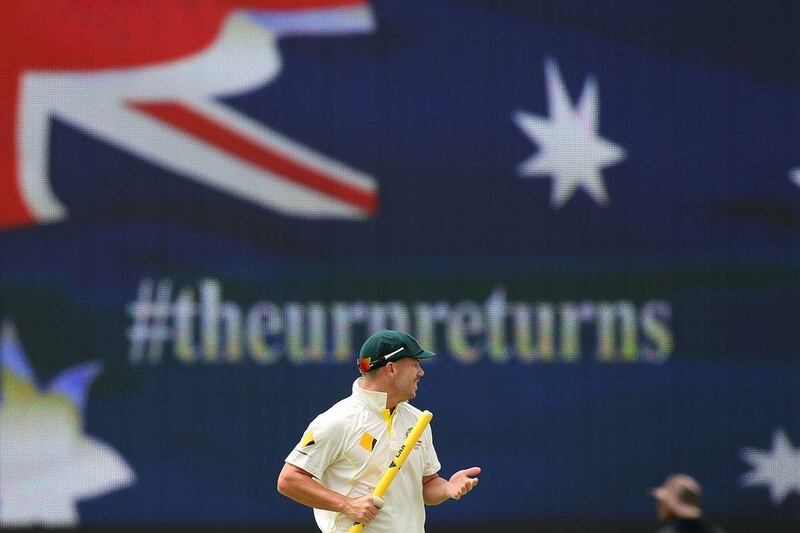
(589, 210)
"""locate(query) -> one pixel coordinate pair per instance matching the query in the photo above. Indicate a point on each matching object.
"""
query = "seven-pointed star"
(48, 464)
(569, 148)
(778, 468)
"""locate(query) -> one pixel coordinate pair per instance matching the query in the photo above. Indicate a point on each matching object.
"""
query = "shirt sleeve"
(320, 446)
(431, 459)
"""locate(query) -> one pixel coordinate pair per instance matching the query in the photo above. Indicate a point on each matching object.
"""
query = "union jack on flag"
(122, 79)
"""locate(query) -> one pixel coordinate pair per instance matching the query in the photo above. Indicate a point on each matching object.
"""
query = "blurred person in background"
(678, 506)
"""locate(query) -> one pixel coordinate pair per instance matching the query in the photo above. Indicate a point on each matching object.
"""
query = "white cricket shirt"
(348, 447)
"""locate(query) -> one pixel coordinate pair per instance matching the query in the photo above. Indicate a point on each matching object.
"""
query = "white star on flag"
(569, 147)
(47, 461)
(777, 468)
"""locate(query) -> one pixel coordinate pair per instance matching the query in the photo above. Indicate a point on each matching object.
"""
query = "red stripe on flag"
(201, 127)
(14, 210)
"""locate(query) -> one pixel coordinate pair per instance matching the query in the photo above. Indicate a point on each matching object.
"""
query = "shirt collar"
(373, 399)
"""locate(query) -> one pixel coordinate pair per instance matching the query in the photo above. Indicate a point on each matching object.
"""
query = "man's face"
(409, 371)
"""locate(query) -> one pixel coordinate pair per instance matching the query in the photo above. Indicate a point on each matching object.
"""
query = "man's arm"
(299, 485)
(435, 489)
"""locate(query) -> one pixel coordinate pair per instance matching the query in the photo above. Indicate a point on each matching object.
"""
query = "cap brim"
(424, 354)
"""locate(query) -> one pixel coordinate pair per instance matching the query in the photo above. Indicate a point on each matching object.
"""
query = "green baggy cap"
(389, 345)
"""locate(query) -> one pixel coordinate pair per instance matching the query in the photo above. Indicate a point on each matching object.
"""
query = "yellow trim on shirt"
(389, 417)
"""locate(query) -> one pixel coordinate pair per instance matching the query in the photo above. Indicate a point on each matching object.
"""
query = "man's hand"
(362, 509)
(461, 482)
(300, 486)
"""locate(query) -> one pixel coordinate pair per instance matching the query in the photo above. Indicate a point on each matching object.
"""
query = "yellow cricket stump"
(394, 467)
